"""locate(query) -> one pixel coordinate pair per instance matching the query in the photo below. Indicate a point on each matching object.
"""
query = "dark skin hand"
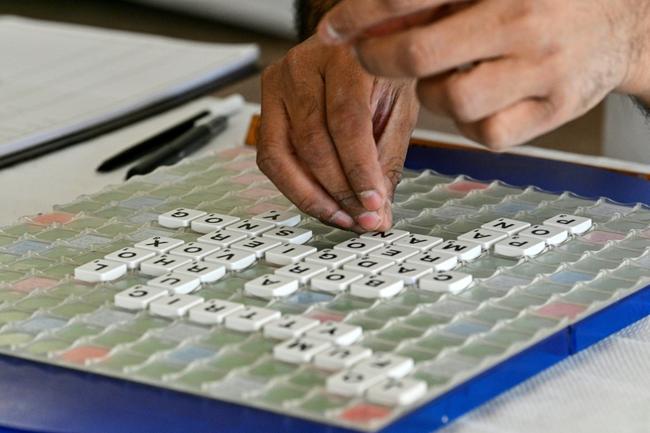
(334, 137)
(334, 134)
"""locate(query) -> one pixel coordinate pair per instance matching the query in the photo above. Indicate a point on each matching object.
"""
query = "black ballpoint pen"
(150, 144)
(224, 107)
(191, 141)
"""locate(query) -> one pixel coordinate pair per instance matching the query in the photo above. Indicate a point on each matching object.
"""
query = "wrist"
(309, 13)
(636, 82)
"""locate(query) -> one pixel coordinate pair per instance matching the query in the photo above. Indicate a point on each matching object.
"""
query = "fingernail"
(371, 200)
(369, 220)
(330, 34)
(342, 219)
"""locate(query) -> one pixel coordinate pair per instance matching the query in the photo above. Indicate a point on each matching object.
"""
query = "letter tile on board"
(180, 217)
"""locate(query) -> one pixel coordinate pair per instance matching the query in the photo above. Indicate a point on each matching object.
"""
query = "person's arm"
(505, 71)
(309, 14)
(333, 138)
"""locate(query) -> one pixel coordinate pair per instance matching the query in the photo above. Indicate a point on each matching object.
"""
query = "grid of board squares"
(48, 316)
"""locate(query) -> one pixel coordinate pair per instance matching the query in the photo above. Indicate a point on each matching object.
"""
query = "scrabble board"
(201, 294)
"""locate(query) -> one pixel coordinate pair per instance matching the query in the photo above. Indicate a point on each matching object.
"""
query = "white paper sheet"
(57, 79)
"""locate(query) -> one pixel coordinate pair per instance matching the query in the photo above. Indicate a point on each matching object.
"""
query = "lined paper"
(57, 79)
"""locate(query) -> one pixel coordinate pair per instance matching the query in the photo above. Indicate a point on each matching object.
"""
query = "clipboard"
(131, 118)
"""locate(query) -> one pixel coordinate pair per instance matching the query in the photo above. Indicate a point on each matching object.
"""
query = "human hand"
(333, 138)
(505, 70)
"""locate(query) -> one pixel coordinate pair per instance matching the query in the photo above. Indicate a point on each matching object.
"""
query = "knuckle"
(266, 162)
(519, 11)
(416, 56)
(495, 133)
(460, 96)
(528, 18)
(535, 34)
(560, 105)
(345, 127)
(293, 64)
(310, 108)
(395, 6)
(346, 198)
(357, 173)
(292, 59)
(317, 157)
(318, 160)
(309, 205)
(365, 53)
(310, 144)
(393, 170)
(564, 100)
(341, 107)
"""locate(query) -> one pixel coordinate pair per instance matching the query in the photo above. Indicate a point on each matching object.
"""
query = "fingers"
(395, 140)
(514, 125)
(351, 18)
(313, 144)
(349, 119)
(277, 160)
(472, 34)
(480, 92)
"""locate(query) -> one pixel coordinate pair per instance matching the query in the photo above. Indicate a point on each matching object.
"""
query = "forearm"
(309, 13)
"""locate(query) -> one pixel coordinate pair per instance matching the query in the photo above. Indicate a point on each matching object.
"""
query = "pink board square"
(324, 316)
(561, 310)
(467, 186)
(364, 413)
(51, 218)
(32, 283)
(601, 237)
(83, 354)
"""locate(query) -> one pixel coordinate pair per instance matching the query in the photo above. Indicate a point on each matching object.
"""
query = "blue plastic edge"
(45, 393)
(522, 171)
(615, 317)
(485, 386)
(112, 401)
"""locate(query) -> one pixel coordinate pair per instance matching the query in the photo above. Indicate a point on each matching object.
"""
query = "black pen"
(226, 107)
(189, 142)
(150, 144)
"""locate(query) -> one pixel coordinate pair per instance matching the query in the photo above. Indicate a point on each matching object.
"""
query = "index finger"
(351, 18)
(349, 119)
(276, 159)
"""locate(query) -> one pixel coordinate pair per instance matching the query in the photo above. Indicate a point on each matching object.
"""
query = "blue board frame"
(47, 399)
(522, 171)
